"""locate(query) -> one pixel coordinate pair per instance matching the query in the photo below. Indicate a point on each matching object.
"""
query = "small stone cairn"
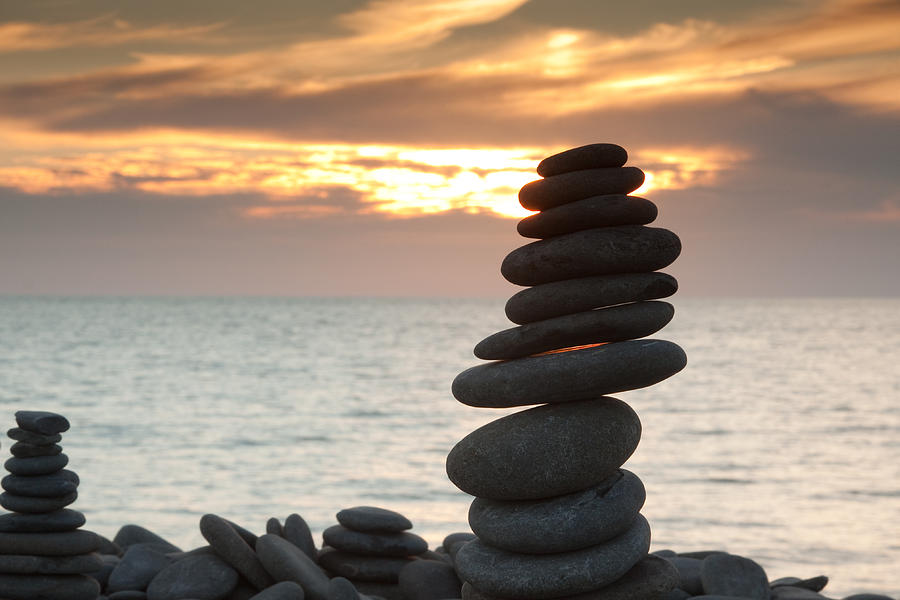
(43, 553)
(555, 514)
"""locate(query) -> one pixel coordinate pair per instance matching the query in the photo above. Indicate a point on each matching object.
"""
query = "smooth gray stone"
(613, 324)
(815, 584)
(297, 532)
(29, 437)
(48, 587)
(56, 521)
(128, 595)
(273, 526)
(286, 562)
(591, 156)
(341, 588)
(372, 518)
(41, 422)
(102, 574)
(243, 591)
(50, 565)
(701, 554)
(564, 377)
(137, 568)
(362, 568)
(372, 543)
(108, 547)
(538, 576)
(439, 555)
(730, 575)
(53, 485)
(787, 592)
(429, 580)
(665, 553)
(578, 185)
(234, 550)
(31, 505)
(600, 211)
(24, 450)
(868, 597)
(248, 536)
(67, 543)
(546, 451)
(455, 538)
(283, 590)
(560, 524)
(135, 534)
(650, 579)
(571, 296)
(200, 577)
(378, 589)
(688, 574)
(37, 465)
(601, 251)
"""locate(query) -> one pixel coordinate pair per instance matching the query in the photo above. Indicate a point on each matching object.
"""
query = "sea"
(780, 441)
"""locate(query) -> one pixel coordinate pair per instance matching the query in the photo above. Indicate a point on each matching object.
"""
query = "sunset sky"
(355, 147)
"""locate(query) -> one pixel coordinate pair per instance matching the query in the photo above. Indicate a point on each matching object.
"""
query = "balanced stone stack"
(555, 514)
(370, 546)
(43, 553)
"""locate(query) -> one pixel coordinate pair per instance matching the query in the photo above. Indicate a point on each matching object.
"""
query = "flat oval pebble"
(137, 568)
(297, 532)
(372, 518)
(37, 465)
(50, 565)
(429, 580)
(234, 550)
(559, 298)
(26, 450)
(340, 588)
(135, 534)
(284, 590)
(730, 575)
(815, 584)
(613, 324)
(41, 422)
(48, 587)
(199, 577)
(54, 485)
(385, 569)
(373, 543)
(598, 211)
(538, 576)
(56, 521)
(563, 523)
(286, 562)
(688, 574)
(578, 185)
(274, 526)
(602, 251)
(648, 579)
(571, 375)
(30, 504)
(545, 451)
(21, 435)
(591, 156)
(50, 544)
(787, 592)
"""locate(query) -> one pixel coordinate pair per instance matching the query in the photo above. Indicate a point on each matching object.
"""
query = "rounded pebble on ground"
(599, 211)
(815, 584)
(234, 550)
(372, 518)
(137, 568)
(284, 590)
(429, 580)
(199, 576)
(286, 562)
(731, 575)
(57, 587)
(688, 573)
(362, 568)
(578, 185)
(340, 588)
(297, 532)
(374, 543)
(135, 534)
(591, 156)
(274, 527)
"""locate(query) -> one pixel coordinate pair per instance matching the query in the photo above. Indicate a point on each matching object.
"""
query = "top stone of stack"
(41, 422)
(592, 156)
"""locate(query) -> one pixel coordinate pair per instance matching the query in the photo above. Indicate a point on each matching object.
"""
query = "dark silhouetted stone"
(374, 543)
(688, 574)
(578, 185)
(41, 422)
(56, 521)
(47, 587)
(362, 568)
(429, 580)
(591, 156)
(135, 534)
(50, 565)
(284, 590)
(603, 251)
(20, 435)
(286, 562)
(340, 588)
(816, 584)
(729, 575)
(67, 543)
(28, 504)
(372, 518)
(273, 526)
(297, 532)
(201, 576)
(234, 550)
(53, 485)
(37, 465)
(590, 213)
(545, 451)
(25, 450)
(137, 568)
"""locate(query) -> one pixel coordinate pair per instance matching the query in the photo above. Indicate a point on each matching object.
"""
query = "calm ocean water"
(780, 441)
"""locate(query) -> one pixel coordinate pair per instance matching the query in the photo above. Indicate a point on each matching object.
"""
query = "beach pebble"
(137, 568)
(536, 576)
(788, 592)
(30, 504)
(234, 550)
(341, 588)
(374, 543)
(57, 587)
(563, 377)
(815, 584)
(613, 324)
(559, 298)
(297, 532)
(56, 521)
(665, 553)
(378, 589)
(243, 591)
(591, 156)
(286, 562)
(578, 185)
(29, 437)
(200, 577)
(701, 554)
(545, 451)
(372, 518)
(561, 524)
(36, 465)
(41, 422)
(245, 534)
(50, 565)
(429, 580)
(135, 534)
(274, 527)
(730, 575)
(283, 590)
(53, 485)
(598, 211)
(49, 544)
(25, 450)
(688, 573)
(102, 574)
(868, 597)
(602, 251)
(362, 568)
(456, 537)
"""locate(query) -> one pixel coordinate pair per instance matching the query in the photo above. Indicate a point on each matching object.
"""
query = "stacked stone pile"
(43, 552)
(555, 514)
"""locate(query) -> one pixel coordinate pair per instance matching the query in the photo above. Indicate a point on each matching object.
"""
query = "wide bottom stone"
(48, 587)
